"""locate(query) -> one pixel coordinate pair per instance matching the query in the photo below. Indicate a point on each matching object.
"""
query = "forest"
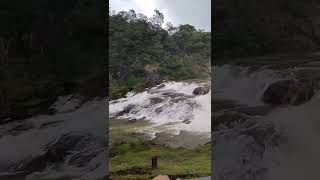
(50, 48)
(257, 28)
(142, 52)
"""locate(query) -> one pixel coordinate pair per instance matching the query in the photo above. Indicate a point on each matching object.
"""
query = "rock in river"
(201, 91)
(288, 92)
(155, 100)
(126, 110)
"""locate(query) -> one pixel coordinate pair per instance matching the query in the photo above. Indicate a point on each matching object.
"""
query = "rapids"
(70, 144)
(176, 108)
(282, 144)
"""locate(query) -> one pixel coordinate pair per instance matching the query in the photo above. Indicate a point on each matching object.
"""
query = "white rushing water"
(299, 158)
(177, 109)
(85, 139)
(239, 84)
(246, 151)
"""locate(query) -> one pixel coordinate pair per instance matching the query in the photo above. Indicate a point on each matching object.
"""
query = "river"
(69, 144)
(260, 142)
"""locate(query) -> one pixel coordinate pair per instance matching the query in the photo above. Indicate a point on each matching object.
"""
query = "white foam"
(296, 159)
(89, 118)
(238, 84)
(299, 158)
(196, 110)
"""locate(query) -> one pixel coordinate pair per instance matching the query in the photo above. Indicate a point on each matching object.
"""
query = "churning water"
(171, 105)
(283, 144)
(70, 144)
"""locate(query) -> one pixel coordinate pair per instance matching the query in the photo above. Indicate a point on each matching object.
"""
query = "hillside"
(142, 53)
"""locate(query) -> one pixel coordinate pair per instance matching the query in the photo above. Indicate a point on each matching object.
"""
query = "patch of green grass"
(173, 162)
(130, 158)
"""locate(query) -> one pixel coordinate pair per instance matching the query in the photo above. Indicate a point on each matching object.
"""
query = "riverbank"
(130, 153)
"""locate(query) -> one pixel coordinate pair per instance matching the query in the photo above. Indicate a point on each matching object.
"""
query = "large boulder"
(161, 86)
(292, 92)
(201, 91)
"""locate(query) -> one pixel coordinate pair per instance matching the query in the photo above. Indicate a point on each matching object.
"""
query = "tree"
(157, 19)
(170, 28)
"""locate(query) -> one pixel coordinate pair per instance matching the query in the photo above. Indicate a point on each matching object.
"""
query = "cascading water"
(239, 84)
(70, 144)
(282, 144)
(172, 106)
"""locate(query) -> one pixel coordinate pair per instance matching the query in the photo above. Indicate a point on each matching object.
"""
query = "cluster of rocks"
(74, 149)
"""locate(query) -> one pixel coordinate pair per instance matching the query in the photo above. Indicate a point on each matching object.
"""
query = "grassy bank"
(131, 152)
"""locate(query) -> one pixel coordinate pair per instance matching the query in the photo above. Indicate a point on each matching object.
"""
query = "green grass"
(130, 158)
(174, 162)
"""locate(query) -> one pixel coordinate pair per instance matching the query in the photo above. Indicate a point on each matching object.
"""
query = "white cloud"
(193, 12)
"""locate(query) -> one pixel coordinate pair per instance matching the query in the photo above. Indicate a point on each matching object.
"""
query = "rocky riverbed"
(264, 121)
(171, 121)
(70, 144)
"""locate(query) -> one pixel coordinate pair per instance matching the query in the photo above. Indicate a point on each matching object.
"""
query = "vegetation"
(134, 160)
(50, 48)
(130, 155)
(142, 53)
(255, 28)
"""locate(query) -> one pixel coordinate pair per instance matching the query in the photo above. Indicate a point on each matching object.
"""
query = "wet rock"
(82, 159)
(288, 92)
(20, 128)
(161, 86)
(179, 99)
(152, 91)
(228, 119)
(114, 102)
(54, 153)
(71, 147)
(193, 104)
(186, 121)
(159, 110)
(67, 103)
(223, 104)
(263, 132)
(50, 124)
(174, 95)
(252, 140)
(126, 110)
(155, 100)
(201, 91)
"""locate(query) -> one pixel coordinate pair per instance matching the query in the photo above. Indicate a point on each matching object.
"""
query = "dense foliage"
(142, 53)
(254, 28)
(50, 48)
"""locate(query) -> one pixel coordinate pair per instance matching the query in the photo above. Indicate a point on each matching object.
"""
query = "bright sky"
(193, 12)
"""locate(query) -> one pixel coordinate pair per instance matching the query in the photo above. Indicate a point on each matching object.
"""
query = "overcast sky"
(193, 12)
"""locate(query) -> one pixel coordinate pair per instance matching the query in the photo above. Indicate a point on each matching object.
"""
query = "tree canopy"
(137, 43)
(50, 48)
